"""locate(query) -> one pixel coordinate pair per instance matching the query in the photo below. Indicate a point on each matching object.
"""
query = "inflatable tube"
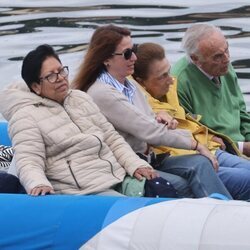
(59, 221)
(4, 137)
(121, 223)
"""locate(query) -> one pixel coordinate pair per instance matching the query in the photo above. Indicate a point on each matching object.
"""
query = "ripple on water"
(27, 23)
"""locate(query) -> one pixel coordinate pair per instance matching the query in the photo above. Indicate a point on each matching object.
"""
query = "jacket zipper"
(70, 169)
(111, 166)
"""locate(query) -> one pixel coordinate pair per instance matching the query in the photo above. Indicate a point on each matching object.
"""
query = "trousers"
(234, 171)
(198, 172)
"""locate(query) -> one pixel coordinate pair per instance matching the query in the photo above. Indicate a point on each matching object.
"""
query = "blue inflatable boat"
(66, 222)
(4, 137)
(119, 223)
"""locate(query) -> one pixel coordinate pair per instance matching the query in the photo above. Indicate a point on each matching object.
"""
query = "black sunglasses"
(127, 53)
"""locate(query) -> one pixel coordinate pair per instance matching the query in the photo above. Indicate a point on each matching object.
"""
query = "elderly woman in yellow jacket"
(152, 71)
(212, 139)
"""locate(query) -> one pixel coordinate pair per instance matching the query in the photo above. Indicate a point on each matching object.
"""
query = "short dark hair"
(146, 54)
(32, 63)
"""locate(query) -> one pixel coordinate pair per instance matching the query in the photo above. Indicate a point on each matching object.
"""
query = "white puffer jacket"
(71, 147)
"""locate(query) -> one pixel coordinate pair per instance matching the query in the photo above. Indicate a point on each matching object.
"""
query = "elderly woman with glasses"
(103, 74)
(62, 142)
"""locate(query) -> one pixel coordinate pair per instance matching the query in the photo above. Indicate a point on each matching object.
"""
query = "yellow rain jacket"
(200, 132)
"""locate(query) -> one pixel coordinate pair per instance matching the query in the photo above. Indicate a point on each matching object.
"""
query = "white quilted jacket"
(71, 147)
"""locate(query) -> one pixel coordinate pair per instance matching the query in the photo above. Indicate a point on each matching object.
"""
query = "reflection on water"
(26, 24)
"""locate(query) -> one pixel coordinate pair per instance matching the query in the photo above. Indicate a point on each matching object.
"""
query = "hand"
(220, 141)
(246, 148)
(167, 119)
(147, 172)
(203, 150)
(41, 190)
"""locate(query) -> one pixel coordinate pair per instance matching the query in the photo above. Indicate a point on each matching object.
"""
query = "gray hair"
(196, 33)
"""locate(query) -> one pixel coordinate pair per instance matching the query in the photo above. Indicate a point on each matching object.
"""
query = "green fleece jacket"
(222, 108)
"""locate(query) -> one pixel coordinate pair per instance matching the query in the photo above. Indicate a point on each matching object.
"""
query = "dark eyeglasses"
(53, 77)
(127, 53)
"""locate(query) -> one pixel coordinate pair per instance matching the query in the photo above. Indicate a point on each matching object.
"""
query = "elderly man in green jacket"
(207, 84)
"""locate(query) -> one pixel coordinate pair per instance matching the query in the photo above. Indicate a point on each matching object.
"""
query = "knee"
(202, 162)
(9, 183)
(242, 178)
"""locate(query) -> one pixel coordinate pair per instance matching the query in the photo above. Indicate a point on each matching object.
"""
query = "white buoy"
(184, 224)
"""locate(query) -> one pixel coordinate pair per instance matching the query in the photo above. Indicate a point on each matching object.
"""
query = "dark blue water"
(24, 24)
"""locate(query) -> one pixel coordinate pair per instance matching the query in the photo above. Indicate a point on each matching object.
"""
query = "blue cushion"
(4, 137)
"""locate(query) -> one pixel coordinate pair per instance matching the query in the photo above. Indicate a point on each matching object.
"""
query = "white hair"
(196, 33)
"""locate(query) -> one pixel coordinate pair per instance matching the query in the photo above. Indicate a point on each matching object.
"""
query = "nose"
(226, 57)
(59, 77)
(170, 80)
(134, 57)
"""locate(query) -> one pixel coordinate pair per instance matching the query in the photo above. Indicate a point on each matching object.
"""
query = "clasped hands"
(246, 148)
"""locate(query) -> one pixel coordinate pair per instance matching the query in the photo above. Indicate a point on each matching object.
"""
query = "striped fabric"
(6, 155)
(128, 89)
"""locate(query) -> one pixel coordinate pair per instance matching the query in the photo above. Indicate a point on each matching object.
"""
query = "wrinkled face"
(117, 65)
(159, 79)
(214, 59)
(52, 86)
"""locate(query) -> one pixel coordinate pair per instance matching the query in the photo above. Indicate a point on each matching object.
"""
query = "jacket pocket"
(72, 174)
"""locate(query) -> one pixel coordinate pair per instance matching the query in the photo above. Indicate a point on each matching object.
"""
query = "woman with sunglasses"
(103, 74)
(62, 142)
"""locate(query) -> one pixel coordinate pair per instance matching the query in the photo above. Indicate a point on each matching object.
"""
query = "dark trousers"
(10, 184)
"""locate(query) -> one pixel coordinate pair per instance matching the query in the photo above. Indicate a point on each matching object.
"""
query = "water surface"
(25, 24)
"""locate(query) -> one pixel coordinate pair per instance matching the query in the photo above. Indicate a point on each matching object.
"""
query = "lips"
(62, 87)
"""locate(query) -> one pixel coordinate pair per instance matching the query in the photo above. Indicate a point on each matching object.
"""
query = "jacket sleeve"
(120, 148)
(129, 119)
(124, 154)
(29, 151)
